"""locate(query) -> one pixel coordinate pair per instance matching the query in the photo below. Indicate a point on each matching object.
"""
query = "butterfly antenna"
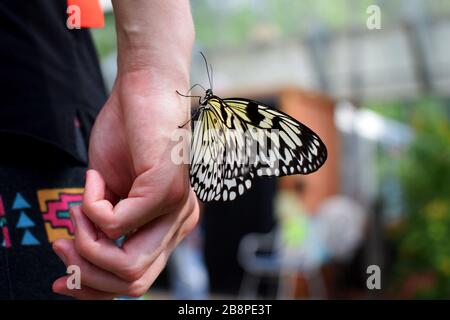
(207, 69)
(179, 127)
(195, 85)
(212, 78)
(186, 96)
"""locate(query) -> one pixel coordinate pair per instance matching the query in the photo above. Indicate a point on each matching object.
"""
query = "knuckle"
(113, 229)
(88, 207)
(83, 247)
(138, 288)
(131, 272)
(179, 192)
(194, 214)
(190, 225)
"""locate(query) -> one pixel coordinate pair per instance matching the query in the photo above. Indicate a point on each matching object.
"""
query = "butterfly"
(237, 139)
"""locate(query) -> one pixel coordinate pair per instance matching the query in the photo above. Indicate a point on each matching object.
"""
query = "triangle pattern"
(24, 221)
(28, 239)
(20, 202)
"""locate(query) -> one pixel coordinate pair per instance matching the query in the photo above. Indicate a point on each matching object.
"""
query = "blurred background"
(372, 79)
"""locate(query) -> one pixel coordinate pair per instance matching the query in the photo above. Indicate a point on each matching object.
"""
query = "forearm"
(155, 36)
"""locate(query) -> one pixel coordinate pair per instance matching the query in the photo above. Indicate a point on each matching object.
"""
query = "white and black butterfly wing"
(248, 139)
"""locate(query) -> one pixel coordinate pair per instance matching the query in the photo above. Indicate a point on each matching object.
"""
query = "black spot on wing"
(253, 113)
(223, 112)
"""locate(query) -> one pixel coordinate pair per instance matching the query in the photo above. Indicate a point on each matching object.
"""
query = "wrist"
(159, 68)
(150, 83)
(154, 35)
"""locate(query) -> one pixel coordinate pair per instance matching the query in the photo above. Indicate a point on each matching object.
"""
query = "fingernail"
(72, 218)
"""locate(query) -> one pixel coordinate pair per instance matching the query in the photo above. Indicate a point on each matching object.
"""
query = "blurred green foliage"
(233, 23)
(105, 38)
(424, 171)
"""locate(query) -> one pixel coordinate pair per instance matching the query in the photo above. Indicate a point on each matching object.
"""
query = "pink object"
(63, 204)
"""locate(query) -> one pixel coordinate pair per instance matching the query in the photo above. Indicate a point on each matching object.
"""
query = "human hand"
(131, 158)
(111, 271)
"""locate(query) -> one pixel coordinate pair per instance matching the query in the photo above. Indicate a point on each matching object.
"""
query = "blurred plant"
(232, 23)
(236, 22)
(105, 38)
(424, 171)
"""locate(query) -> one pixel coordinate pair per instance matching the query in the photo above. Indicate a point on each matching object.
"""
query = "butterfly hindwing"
(206, 173)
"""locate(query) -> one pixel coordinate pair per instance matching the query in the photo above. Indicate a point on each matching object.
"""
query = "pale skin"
(130, 160)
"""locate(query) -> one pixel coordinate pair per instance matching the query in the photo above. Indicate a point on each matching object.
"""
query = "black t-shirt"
(49, 75)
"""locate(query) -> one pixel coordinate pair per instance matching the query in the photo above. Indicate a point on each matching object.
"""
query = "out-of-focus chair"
(264, 256)
(334, 232)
